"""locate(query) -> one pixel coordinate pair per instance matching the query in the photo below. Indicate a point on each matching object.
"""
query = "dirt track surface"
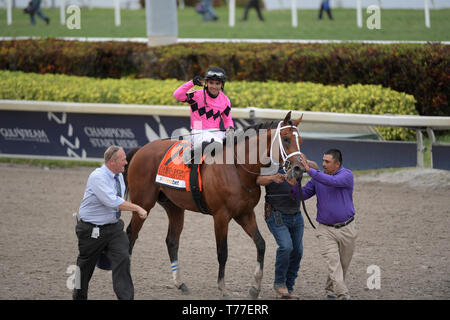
(403, 223)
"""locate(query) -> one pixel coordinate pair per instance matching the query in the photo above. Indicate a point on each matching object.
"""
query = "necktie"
(119, 192)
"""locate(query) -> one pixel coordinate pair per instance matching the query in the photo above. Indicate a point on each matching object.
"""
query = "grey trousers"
(114, 241)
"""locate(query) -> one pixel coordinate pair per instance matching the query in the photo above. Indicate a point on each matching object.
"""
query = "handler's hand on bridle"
(304, 162)
(278, 178)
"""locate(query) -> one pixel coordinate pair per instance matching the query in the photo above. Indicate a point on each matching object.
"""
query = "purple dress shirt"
(334, 195)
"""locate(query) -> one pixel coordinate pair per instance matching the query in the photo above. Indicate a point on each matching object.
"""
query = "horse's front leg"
(248, 223)
(221, 221)
(261, 249)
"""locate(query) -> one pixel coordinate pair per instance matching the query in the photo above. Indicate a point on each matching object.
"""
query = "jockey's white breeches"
(201, 135)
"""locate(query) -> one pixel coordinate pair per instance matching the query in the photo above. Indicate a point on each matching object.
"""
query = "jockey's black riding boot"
(196, 155)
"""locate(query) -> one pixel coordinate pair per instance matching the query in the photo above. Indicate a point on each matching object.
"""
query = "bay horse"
(230, 192)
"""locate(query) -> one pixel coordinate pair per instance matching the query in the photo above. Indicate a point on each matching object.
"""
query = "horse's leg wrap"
(177, 278)
(176, 216)
(172, 247)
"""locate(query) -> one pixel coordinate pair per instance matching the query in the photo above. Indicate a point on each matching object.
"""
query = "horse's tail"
(130, 155)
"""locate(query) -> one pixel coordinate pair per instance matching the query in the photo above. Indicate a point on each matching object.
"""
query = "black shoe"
(47, 20)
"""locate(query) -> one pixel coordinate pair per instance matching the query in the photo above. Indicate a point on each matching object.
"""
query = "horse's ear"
(287, 118)
(296, 123)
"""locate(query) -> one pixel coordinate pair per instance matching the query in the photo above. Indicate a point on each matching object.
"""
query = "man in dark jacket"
(254, 4)
(35, 6)
(325, 5)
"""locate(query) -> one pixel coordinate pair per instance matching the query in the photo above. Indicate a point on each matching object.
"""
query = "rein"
(302, 199)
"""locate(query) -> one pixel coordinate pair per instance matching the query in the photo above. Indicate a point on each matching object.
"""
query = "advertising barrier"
(83, 131)
(441, 155)
(83, 136)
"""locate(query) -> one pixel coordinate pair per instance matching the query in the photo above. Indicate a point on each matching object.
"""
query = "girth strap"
(197, 195)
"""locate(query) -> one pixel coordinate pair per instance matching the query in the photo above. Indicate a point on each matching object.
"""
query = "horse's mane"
(265, 125)
(260, 126)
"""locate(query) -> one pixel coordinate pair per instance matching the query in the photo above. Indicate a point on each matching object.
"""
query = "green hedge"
(366, 99)
(420, 70)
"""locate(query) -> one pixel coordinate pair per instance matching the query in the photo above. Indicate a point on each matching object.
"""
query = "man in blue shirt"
(100, 229)
(335, 213)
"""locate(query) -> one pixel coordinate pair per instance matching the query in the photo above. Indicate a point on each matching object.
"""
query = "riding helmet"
(216, 73)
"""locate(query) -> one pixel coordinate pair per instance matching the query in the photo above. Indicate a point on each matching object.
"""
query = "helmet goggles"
(215, 75)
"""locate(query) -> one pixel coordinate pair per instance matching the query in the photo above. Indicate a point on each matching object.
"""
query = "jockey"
(210, 107)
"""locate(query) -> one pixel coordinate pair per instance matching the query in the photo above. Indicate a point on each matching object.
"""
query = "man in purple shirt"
(335, 213)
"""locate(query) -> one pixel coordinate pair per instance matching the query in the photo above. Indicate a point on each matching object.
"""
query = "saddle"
(175, 173)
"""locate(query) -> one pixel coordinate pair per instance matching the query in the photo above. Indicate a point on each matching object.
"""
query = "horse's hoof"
(253, 293)
(184, 289)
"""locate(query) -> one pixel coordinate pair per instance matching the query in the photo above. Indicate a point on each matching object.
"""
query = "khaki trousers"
(337, 246)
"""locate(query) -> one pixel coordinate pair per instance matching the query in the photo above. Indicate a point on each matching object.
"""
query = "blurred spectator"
(325, 6)
(253, 4)
(208, 11)
(34, 7)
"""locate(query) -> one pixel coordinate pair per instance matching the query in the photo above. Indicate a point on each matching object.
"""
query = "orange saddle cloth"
(172, 170)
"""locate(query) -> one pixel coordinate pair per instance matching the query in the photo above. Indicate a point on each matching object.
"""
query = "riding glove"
(198, 81)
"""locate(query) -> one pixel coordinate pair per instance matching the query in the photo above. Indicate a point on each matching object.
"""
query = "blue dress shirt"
(100, 202)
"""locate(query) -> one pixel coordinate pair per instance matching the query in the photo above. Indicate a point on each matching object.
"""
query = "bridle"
(286, 162)
(283, 152)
